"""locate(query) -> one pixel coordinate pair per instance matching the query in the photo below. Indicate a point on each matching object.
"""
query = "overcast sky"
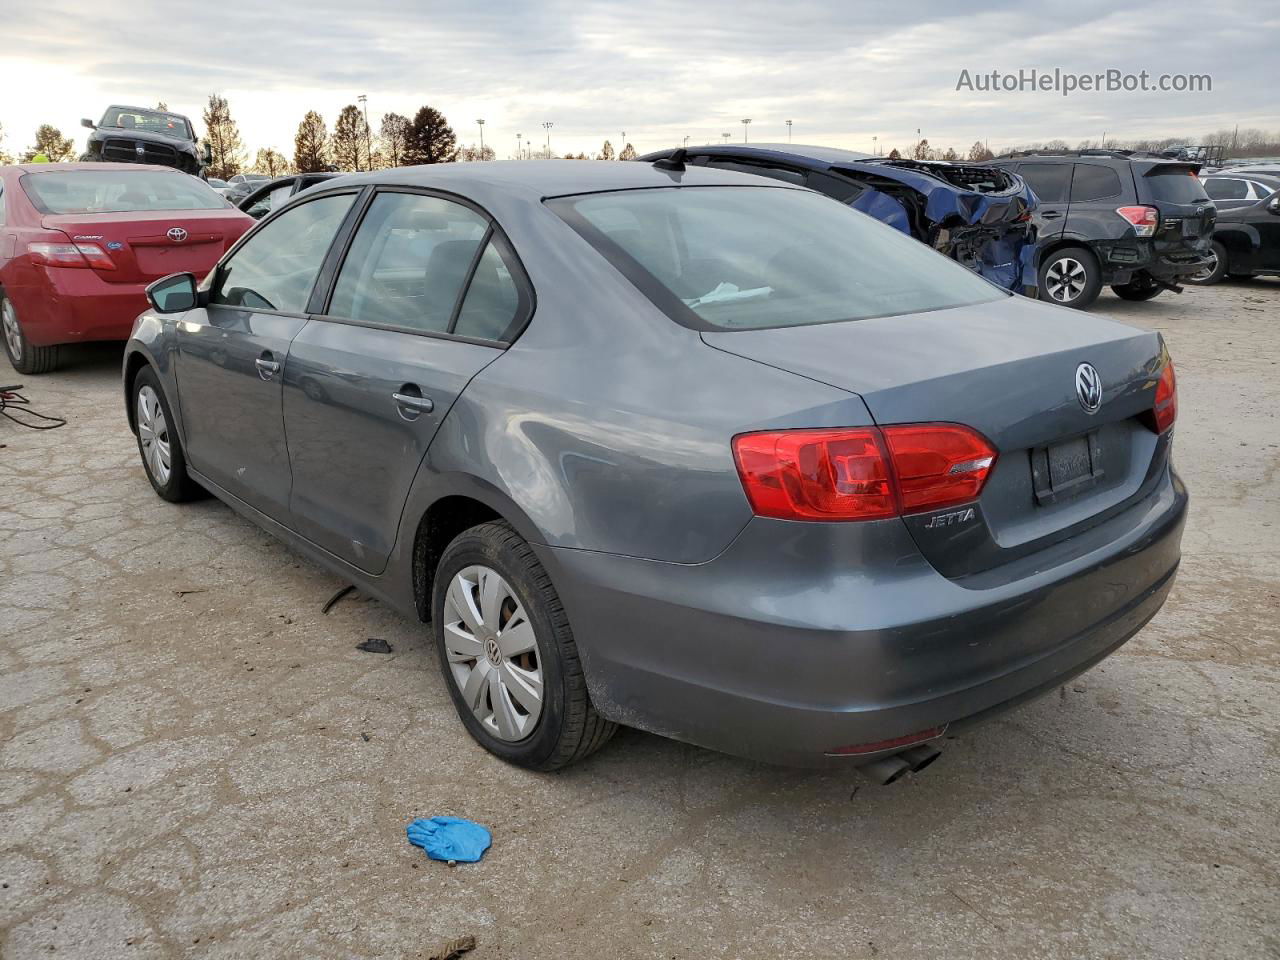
(658, 69)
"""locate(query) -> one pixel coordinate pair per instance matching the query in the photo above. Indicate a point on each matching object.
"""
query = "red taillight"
(861, 473)
(1166, 405)
(80, 255)
(1144, 219)
(910, 740)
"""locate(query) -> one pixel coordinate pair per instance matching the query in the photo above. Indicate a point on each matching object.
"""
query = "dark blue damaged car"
(976, 214)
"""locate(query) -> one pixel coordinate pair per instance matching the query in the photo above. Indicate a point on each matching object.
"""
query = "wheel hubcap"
(153, 435)
(12, 332)
(1209, 267)
(1065, 279)
(492, 653)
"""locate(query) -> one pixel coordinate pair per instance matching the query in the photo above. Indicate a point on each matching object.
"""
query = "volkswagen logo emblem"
(1088, 388)
(177, 235)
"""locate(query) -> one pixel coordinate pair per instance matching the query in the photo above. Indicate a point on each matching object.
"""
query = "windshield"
(118, 191)
(738, 258)
(148, 121)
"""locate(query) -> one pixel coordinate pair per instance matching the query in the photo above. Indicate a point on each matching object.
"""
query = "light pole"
(788, 131)
(745, 123)
(686, 140)
(726, 137)
(368, 147)
(519, 146)
(875, 150)
(621, 146)
(547, 127)
(480, 124)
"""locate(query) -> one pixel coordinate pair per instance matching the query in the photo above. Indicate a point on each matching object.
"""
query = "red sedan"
(79, 242)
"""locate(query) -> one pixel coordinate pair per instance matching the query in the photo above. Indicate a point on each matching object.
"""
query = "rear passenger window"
(1220, 188)
(408, 262)
(277, 266)
(1094, 183)
(760, 170)
(1050, 181)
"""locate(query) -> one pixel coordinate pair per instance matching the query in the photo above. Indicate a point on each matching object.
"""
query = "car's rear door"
(425, 297)
(231, 354)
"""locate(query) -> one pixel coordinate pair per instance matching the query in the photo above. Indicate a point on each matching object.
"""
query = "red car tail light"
(79, 255)
(1165, 408)
(938, 464)
(861, 473)
(1144, 219)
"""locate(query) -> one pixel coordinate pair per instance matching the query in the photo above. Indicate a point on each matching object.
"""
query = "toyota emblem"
(177, 235)
(1088, 388)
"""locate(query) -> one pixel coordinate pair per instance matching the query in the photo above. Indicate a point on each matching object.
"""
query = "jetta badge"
(1088, 388)
(177, 235)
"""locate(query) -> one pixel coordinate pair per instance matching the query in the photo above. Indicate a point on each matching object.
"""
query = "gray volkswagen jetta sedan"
(686, 450)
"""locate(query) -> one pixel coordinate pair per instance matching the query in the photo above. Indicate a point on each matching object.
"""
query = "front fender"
(150, 344)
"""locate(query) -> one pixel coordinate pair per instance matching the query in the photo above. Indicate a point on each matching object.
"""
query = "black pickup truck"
(137, 135)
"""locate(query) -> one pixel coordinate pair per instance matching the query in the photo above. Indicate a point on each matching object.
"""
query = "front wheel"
(1214, 271)
(1139, 288)
(1070, 277)
(508, 656)
(158, 441)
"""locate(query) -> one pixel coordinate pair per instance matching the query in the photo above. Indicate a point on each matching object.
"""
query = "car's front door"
(426, 297)
(231, 354)
(1267, 222)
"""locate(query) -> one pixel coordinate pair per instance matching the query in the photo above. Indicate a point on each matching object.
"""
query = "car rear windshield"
(1175, 185)
(148, 121)
(743, 258)
(118, 191)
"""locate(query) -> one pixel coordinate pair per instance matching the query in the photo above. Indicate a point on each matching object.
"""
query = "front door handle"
(412, 405)
(267, 368)
(1051, 214)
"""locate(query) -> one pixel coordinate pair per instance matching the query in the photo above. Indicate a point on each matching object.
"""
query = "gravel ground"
(194, 761)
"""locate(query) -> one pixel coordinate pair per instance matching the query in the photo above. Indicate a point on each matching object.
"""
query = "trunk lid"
(147, 245)
(1008, 369)
(1187, 215)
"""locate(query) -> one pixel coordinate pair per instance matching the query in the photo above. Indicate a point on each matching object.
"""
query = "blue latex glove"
(450, 838)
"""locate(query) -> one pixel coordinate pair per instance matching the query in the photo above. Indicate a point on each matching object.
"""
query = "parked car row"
(673, 446)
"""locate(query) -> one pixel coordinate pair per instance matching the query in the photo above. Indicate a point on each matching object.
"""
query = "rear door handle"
(267, 368)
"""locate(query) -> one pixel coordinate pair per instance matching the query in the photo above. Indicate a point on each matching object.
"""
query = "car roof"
(80, 167)
(539, 179)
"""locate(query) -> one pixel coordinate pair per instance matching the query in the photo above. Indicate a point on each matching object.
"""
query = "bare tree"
(311, 144)
(5, 158)
(347, 143)
(979, 153)
(606, 152)
(628, 153)
(922, 151)
(395, 138)
(223, 137)
(271, 162)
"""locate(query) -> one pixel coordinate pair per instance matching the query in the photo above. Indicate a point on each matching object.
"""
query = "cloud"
(659, 70)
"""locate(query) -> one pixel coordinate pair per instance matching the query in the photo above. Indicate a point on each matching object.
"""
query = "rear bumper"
(803, 638)
(73, 305)
(1121, 260)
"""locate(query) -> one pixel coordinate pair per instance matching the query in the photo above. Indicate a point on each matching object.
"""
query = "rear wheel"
(1139, 288)
(1070, 277)
(158, 441)
(1214, 271)
(508, 655)
(25, 358)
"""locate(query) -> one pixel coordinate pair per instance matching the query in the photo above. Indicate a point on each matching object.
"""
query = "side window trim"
(319, 305)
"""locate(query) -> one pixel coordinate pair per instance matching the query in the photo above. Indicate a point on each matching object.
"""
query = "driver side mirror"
(174, 294)
(1274, 206)
(208, 154)
(86, 122)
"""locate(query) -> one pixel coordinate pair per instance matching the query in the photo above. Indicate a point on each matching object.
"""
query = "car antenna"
(673, 162)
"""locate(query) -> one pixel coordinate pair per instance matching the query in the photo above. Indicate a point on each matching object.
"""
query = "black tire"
(26, 359)
(568, 727)
(1139, 288)
(178, 487)
(1070, 262)
(1221, 265)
